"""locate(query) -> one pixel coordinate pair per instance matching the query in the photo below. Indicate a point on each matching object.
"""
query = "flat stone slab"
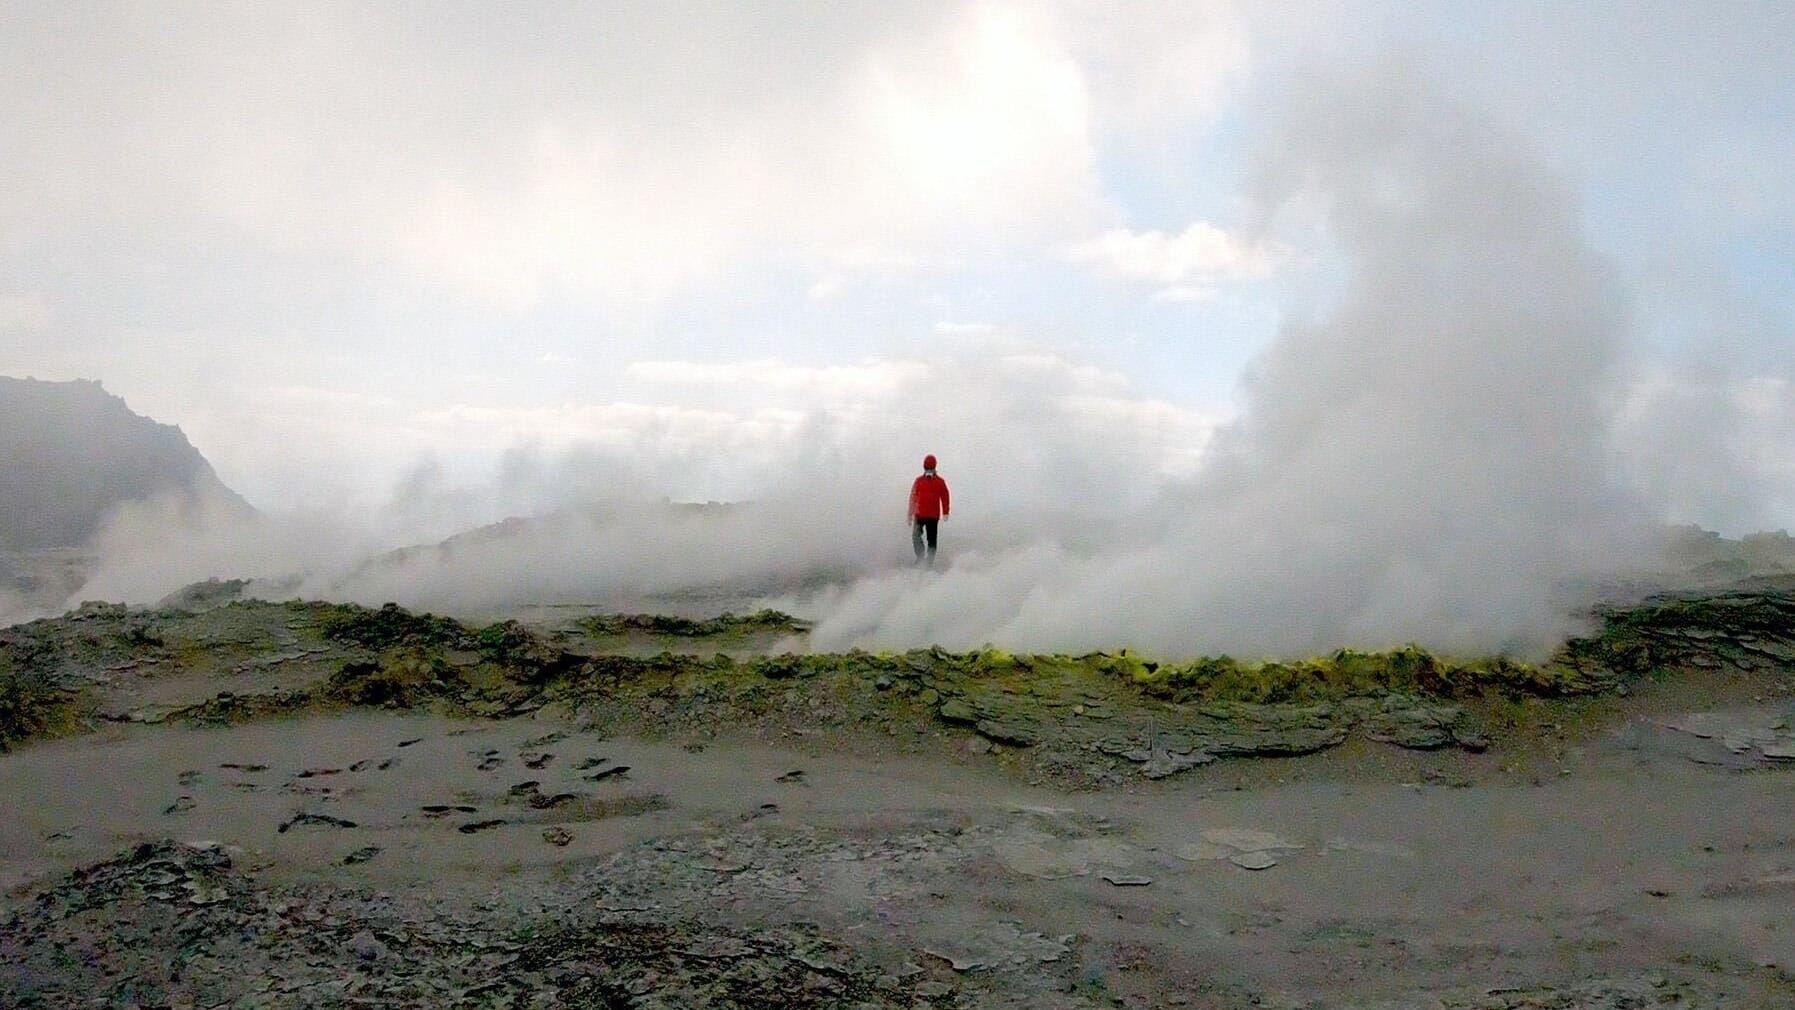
(1782, 750)
(1127, 879)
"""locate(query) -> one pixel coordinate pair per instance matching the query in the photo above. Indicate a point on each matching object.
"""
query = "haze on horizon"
(1331, 323)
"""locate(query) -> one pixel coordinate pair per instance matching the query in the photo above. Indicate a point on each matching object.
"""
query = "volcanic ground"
(235, 803)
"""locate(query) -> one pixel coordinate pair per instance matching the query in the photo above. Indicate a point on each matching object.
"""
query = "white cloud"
(1154, 73)
(1714, 449)
(1187, 265)
(1032, 442)
(621, 154)
(825, 288)
(831, 383)
(945, 328)
(1016, 425)
(24, 311)
(1184, 294)
(668, 430)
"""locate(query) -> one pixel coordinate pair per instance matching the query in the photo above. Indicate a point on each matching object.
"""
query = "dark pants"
(918, 529)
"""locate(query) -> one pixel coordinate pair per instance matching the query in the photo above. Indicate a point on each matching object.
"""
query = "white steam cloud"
(1431, 459)
(1430, 463)
(1046, 447)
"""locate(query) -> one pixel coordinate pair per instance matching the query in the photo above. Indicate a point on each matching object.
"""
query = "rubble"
(173, 924)
(724, 624)
(310, 820)
(168, 924)
(1640, 993)
(1743, 629)
(1736, 738)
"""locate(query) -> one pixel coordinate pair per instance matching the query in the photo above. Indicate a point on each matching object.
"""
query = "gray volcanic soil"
(1630, 852)
(1638, 880)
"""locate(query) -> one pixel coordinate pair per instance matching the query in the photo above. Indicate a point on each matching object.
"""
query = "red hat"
(928, 462)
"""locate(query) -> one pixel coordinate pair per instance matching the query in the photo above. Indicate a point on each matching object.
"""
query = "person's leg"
(916, 537)
(934, 528)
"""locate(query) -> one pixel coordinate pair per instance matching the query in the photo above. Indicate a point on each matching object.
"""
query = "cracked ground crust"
(1095, 718)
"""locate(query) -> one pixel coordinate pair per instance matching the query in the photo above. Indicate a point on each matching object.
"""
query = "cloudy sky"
(363, 251)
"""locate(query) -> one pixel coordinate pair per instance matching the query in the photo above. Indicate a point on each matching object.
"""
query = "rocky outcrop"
(1086, 716)
(73, 452)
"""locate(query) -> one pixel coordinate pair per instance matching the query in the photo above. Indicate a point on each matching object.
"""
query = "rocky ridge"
(1084, 718)
(74, 451)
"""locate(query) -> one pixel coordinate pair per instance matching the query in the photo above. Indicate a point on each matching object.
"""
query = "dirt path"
(1640, 872)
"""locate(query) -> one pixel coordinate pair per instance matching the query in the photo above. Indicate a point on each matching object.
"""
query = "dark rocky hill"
(70, 452)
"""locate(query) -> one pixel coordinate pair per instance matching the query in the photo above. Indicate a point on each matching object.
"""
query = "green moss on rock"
(32, 705)
(726, 624)
(392, 626)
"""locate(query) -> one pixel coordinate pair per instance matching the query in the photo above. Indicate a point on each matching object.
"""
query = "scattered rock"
(1164, 764)
(474, 827)
(361, 855)
(1255, 860)
(1127, 879)
(1001, 945)
(1406, 722)
(955, 710)
(364, 946)
(310, 820)
(181, 805)
(549, 801)
(557, 835)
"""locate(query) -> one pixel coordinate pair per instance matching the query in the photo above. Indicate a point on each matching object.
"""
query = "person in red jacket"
(928, 506)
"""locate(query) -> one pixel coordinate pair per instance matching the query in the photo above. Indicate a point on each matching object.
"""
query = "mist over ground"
(1234, 330)
(1437, 456)
(1429, 462)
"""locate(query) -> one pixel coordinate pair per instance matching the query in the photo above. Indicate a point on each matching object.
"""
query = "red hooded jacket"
(928, 497)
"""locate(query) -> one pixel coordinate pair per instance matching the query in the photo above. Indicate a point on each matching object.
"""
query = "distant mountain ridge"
(70, 452)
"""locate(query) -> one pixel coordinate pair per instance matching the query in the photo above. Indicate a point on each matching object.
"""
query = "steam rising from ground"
(1045, 445)
(1428, 461)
